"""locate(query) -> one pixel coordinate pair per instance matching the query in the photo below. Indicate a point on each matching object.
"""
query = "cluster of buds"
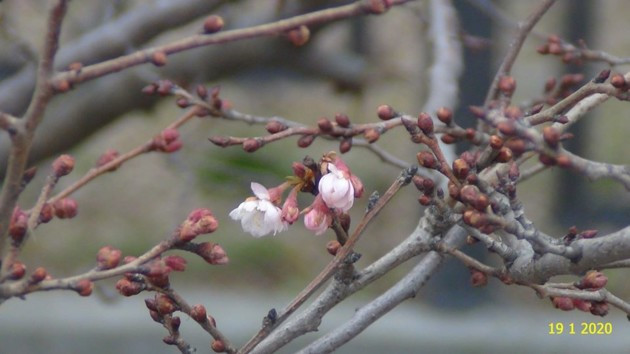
(426, 186)
(592, 281)
(574, 234)
(65, 208)
(337, 187)
(569, 53)
(167, 141)
(200, 221)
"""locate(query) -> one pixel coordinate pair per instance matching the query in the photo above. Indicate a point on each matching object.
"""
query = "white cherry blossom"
(336, 189)
(258, 215)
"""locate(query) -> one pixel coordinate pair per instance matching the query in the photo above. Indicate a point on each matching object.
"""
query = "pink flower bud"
(128, 288)
(212, 253)
(84, 287)
(66, 208)
(39, 274)
(582, 305)
(290, 210)
(176, 263)
(319, 218)
(108, 156)
(563, 303)
(198, 313)
(63, 165)
(200, 221)
(167, 141)
(108, 257)
(478, 278)
(599, 308)
(593, 280)
(46, 214)
(17, 270)
(18, 224)
(212, 24)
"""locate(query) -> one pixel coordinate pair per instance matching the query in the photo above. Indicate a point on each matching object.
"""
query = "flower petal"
(260, 191)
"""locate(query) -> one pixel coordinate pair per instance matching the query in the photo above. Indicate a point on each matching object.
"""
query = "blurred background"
(349, 66)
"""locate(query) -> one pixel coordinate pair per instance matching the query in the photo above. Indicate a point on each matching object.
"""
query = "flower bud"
(371, 135)
(305, 141)
(325, 125)
(182, 102)
(18, 224)
(156, 316)
(385, 112)
(599, 308)
(176, 263)
(345, 145)
(221, 141)
(150, 89)
(108, 257)
(453, 190)
(425, 123)
(602, 76)
(158, 58)
(332, 247)
(251, 145)
(593, 280)
(445, 115)
(563, 303)
(551, 136)
(377, 7)
(28, 175)
(507, 85)
(218, 346)
(108, 156)
(550, 84)
(212, 24)
(618, 81)
(128, 288)
(342, 119)
(448, 139)
(582, 305)
(471, 134)
(481, 203)
(212, 253)
(175, 323)
(468, 194)
(299, 36)
(151, 304)
(61, 85)
(17, 270)
(198, 313)
(460, 168)
(39, 274)
(424, 200)
(66, 208)
(84, 287)
(504, 155)
(165, 304)
(563, 161)
(200, 221)
(426, 159)
(496, 142)
(478, 278)
(274, 126)
(63, 165)
(474, 218)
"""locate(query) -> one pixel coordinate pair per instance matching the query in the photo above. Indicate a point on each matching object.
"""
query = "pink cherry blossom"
(258, 215)
(336, 189)
(318, 219)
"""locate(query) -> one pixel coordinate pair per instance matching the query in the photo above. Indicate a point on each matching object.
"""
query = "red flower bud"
(273, 126)
(345, 145)
(504, 155)
(176, 263)
(218, 346)
(66, 208)
(371, 135)
(84, 287)
(305, 141)
(563, 303)
(38, 275)
(18, 224)
(496, 142)
(426, 159)
(582, 305)
(324, 124)
(151, 304)
(424, 200)
(108, 156)
(332, 247)
(299, 36)
(198, 313)
(445, 115)
(425, 123)
(167, 141)
(507, 85)
(618, 81)
(165, 304)
(212, 253)
(108, 257)
(599, 308)
(63, 165)
(478, 278)
(551, 136)
(212, 24)
(342, 119)
(461, 168)
(158, 58)
(593, 280)
(17, 270)
(385, 112)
